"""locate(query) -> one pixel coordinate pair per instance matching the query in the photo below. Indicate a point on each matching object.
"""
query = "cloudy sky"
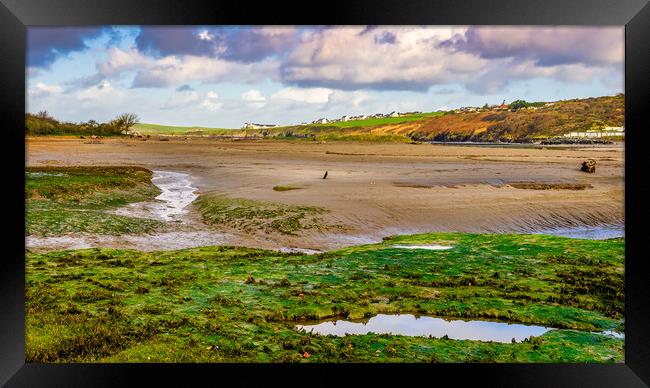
(225, 76)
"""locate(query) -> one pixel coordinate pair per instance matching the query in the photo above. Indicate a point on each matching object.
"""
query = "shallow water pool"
(424, 326)
(600, 232)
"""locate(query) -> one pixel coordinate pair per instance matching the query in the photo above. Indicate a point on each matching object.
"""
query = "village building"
(257, 126)
(597, 133)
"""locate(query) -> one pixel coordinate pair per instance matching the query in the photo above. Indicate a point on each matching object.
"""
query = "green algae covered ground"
(62, 200)
(251, 215)
(214, 304)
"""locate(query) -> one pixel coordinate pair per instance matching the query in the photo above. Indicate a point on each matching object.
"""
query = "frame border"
(16, 15)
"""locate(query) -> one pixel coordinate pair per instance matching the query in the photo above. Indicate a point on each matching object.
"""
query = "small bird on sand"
(325, 176)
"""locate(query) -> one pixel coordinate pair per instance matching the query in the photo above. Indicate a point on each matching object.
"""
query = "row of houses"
(362, 117)
(596, 133)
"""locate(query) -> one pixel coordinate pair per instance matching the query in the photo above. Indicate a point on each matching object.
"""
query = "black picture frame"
(15, 15)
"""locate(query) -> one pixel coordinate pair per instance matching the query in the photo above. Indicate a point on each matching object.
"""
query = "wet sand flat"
(378, 189)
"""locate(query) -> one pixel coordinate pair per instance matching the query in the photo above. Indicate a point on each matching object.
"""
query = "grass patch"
(251, 215)
(156, 129)
(383, 120)
(286, 188)
(214, 304)
(63, 200)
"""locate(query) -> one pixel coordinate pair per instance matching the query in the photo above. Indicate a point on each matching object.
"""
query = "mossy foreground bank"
(62, 200)
(214, 304)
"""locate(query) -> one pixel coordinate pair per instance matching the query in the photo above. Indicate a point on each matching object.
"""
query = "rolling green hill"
(536, 121)
(381, 120)
(156, 129)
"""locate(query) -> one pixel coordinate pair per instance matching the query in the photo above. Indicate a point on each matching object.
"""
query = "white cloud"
(416, 58)
(119, 61)
(182, 99)
(547, 46)
(101, 91)
(172, 70)
(205, 35)
(308, 95)
(253, 95)
(351, 58)
(502, 72)
(193, 99)
(101, 102)
(339, 58)
(43, 90)
(211, 102)
(254, 98)
(350, 99)
(380, 58)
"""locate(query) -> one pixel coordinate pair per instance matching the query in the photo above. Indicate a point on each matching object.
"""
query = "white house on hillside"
(257, 126)
(606, 132)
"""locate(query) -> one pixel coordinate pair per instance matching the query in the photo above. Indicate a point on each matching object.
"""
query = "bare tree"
(125, 122)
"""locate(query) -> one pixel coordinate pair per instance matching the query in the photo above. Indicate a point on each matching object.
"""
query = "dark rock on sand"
(588, 165)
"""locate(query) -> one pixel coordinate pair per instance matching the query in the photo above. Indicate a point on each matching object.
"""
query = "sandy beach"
(374, 189)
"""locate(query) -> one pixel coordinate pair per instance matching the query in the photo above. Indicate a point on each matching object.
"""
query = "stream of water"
(170, 205)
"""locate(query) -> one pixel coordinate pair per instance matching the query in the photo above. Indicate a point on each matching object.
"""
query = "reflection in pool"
(410, 325)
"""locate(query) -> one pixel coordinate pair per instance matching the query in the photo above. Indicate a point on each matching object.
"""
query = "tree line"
(42, 123)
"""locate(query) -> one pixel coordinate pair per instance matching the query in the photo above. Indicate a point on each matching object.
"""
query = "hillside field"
(537, 122)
